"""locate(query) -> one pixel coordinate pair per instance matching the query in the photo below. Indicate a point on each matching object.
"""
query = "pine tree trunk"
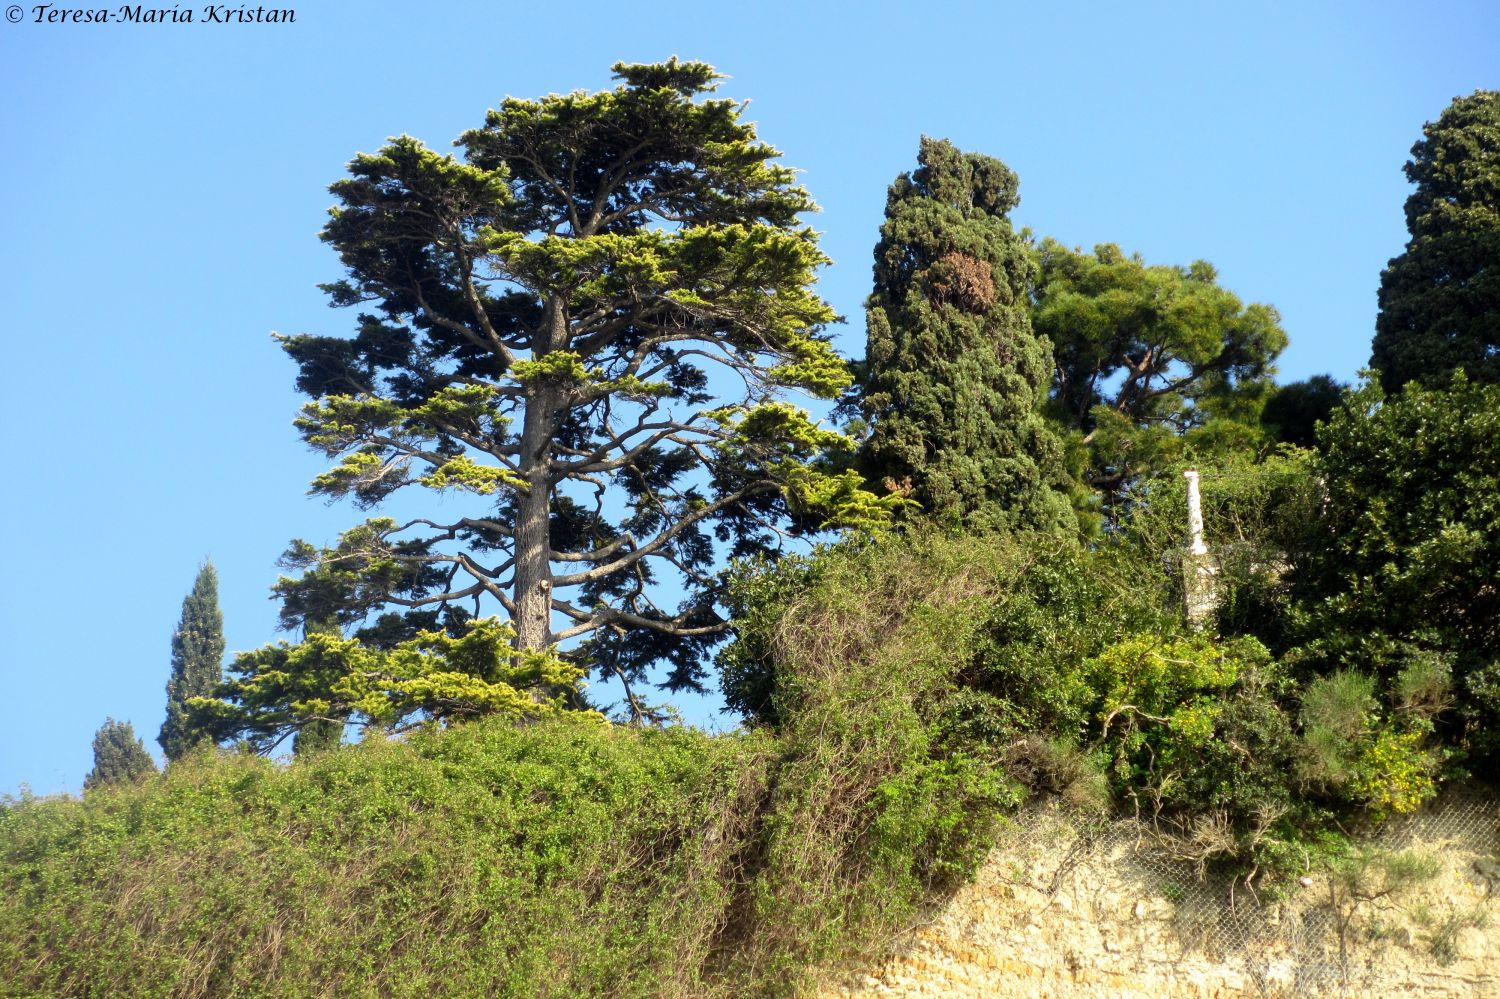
(533, 594)
(533, 568)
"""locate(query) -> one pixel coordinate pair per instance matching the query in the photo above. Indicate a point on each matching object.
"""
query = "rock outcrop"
(1064, 910)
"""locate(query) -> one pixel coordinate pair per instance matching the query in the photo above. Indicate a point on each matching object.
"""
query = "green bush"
(873, 814)
(917, 685)
(1260, 518)
(1405, 570)
(1381, 763)
(553, 859)
(1030, 610)
(1336, 713)
(1200, 745)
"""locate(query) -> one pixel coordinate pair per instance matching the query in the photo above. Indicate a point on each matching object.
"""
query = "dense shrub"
(1199, 743)
(1379, 761)
(1261, 517)
(560, 857)
(554, 859)
(1044, 660)
(917, 686)
(1404, 576)
(1031, 609)
(873, 813)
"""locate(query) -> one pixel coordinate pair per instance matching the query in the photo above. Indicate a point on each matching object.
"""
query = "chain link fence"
(1420, 906)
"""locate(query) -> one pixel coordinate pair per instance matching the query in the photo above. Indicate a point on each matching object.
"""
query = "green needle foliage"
(313, 735)
(543, 318)
(1440, 300)
(1151, 359)
(197, 663)
(327, 680)
(119, 757)
(954, 373)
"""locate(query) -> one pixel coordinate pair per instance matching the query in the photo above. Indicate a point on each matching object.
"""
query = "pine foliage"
(1153, 362)
(579, 339)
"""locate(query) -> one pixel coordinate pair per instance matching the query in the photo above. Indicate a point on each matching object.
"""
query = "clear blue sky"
(162, 187)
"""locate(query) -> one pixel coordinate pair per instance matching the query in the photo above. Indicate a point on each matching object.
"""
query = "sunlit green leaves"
(1160, 676)
(1147, 353)
(434, 676)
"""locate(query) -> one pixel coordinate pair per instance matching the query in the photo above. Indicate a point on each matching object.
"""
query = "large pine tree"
(954, 372)
(118, 756)
(197, 662)
(1440, 300)
(579, 340)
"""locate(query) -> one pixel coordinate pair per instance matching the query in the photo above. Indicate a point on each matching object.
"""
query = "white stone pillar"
(1200, 594)
(1195, 514)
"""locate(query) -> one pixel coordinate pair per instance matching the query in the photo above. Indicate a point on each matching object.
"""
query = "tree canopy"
(315, 688)
(119, 756)
(1410, 542)
(581, 331)
(197, 662)
(1147, 355)
(1440, 299)
(953, 372)
(1293, 411)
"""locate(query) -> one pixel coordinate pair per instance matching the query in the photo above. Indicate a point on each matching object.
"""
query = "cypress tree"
(118, 756)
(1440, 300)
(954, 372)
(197, 662)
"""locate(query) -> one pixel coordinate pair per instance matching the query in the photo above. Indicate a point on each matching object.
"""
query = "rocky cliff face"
(1065, 910)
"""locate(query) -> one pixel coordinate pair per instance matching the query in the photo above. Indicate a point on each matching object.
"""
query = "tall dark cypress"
(954, 371)
(1440, 300)
(197, 662)
(118, 756)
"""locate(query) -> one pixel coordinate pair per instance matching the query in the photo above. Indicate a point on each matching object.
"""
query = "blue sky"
(162, 186)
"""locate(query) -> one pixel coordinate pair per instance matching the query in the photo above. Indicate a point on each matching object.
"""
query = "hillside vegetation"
(566, 857)
(909, 694)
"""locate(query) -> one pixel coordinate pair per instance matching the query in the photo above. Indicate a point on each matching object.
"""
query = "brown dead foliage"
(963, 281)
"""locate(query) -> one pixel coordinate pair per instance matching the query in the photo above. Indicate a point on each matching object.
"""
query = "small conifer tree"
(197, 662)
(119, 756)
